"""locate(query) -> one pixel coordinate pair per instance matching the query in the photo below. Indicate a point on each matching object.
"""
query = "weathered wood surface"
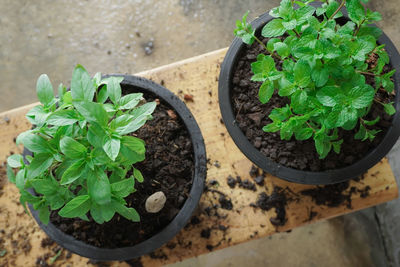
(199, 77)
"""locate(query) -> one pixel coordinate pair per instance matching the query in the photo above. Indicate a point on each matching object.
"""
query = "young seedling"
(324, 70)
(83, 150)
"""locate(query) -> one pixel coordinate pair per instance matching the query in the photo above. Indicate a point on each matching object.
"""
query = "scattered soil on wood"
(251, 116)
(168, 167)
(277, 200)
(336, 194)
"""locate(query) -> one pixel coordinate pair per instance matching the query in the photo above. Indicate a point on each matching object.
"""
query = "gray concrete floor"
(46, 36)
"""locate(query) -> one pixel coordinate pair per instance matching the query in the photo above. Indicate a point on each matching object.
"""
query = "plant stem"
(273, 54)
(297, 34)
(337, 10)
(367, 73)
(309, 125)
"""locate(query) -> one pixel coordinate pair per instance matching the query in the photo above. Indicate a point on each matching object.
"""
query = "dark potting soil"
(251, 116)
(168, 167)
(277, 200)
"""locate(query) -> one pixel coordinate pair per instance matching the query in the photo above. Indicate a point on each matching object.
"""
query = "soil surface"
(168, 167)
(251, 116)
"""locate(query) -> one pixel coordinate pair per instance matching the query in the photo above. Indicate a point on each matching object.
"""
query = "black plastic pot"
(126, 253)
(289, 174)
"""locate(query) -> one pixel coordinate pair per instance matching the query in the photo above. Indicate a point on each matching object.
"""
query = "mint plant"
(324, 70)
(83, 153)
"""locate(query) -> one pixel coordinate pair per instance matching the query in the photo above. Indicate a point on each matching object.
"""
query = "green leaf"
(362, 96)
(282, 49)
(326, 96)
(304, 134)
(62, 117)
(37, 115)
(111, 146)
(356, 11)
(373, 122)
(302, 73)
(266, 91)
(77, 207)
(304, 13)
(102, 95)
(130, 101)
(15, 161)
(389, 108)
(337, 145)
(73, 172)
(271, 44)
(92, 112)
(128, 213)
(71, 148)
(144, 110)
(114, 88)
(123, 188)
(99, 187)
(44, 186)
(274, 28)
(20, 179)
(34, 143)
(331, 8)
(133, 149)
(44, 90)
(82, 86)
(320, 76)
(44, 214)
(10, 174)
(322, 146)
(361, 134)
(138, 175)
(95, 135)
(102, 213)
(40, 163)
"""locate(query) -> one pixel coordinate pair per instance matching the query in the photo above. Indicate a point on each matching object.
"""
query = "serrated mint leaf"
(327, 95)
(355, 10)
(362, 134)
(282, 49)
(304, 134)
(362, 96)
(44, 90)
(273, 28)
(373, 122)
(271, 44)
(320, 76)
(77, 207)
(304, 13)
(266, 91)
(389, 108)
(302, 73)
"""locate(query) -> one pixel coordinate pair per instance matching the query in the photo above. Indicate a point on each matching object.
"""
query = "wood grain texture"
(199, 77)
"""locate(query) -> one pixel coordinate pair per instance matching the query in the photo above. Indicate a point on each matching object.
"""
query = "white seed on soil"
(155, 202)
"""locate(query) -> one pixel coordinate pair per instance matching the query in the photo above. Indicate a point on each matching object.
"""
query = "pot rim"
(180, 220)
(286, 173)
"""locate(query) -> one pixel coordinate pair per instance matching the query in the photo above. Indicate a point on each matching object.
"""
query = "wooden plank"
(199, 77)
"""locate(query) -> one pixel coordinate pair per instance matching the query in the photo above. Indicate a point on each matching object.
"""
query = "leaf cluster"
(82, 149)
(324, 70)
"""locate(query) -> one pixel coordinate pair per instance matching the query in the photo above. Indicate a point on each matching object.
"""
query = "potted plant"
(113, 167)
(309, 91)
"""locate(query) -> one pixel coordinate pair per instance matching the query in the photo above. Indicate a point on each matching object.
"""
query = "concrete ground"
(46, 36)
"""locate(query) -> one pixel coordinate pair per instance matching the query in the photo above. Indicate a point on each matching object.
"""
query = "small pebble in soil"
(225, 203)
(231, 181)
(171, 114)
(205, 233)
(259, 180)
(155, 202)
(188, 97)
(148, 47)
